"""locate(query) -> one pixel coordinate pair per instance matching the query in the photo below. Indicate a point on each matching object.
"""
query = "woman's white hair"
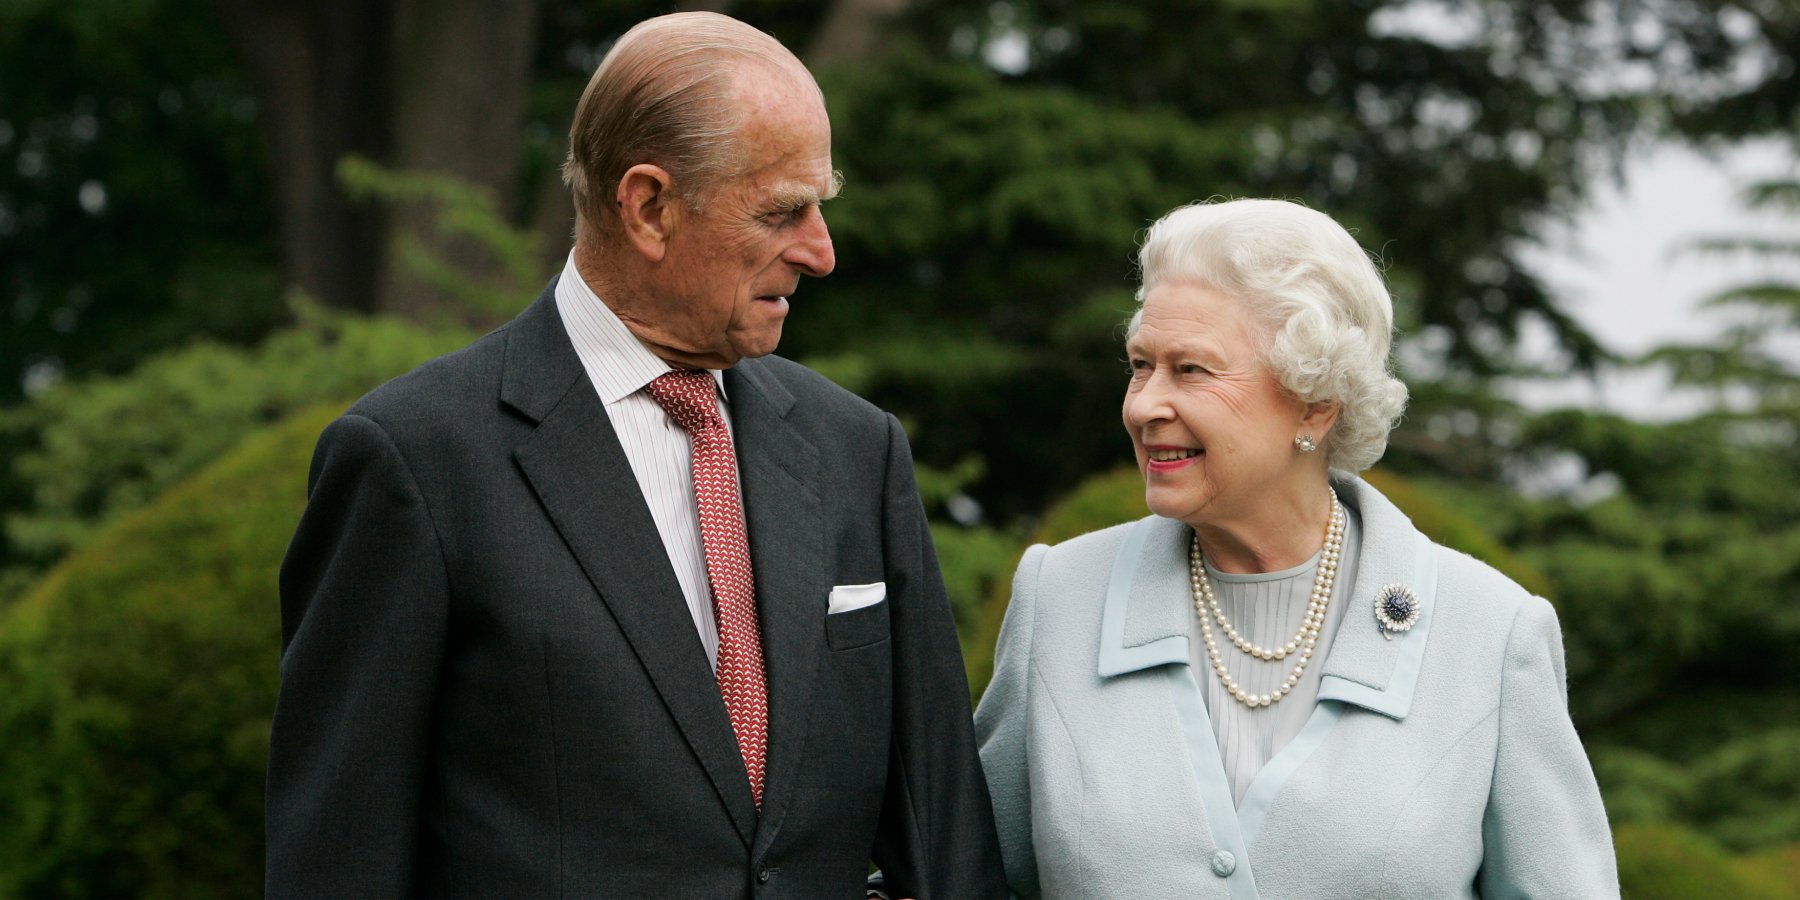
(1329, 319)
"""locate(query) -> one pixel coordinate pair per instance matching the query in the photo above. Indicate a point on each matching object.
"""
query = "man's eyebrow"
(796, 196)
(793, 196)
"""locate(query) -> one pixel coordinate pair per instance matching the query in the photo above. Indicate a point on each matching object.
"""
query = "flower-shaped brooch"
(1397, 609)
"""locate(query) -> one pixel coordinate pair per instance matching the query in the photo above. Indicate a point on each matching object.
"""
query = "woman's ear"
(647, 209)
(1319, 418)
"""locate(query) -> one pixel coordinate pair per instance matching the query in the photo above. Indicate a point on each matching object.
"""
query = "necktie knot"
(689, 396)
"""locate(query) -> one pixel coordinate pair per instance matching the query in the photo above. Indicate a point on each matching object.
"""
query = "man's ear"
(647, 209)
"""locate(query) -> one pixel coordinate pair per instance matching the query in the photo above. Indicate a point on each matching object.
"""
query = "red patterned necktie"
(688, 396)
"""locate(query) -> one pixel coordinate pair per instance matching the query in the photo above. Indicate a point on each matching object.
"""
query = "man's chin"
(751, 346)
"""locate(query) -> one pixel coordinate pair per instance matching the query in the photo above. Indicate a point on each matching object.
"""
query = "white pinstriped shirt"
(660, 451)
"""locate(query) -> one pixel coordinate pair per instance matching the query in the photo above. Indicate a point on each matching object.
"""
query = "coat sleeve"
(363, 600)
(936, 836)
(1000, 729)
(1545, 832)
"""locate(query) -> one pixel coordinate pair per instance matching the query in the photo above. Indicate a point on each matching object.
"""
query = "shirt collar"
(616, 361)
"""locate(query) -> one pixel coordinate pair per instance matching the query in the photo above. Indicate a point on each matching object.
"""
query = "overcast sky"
(1623, 274)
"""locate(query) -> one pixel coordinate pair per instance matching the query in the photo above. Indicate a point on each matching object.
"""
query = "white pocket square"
(847, 597)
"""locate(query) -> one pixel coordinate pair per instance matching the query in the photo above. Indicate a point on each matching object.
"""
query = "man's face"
(731, 269)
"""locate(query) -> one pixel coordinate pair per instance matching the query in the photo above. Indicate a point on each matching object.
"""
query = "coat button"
(762, 874)
(1223, 863)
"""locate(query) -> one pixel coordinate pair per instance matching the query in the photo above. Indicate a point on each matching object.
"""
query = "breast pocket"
(858, 627)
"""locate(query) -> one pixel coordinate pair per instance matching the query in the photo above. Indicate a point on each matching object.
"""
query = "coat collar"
(1147, 615)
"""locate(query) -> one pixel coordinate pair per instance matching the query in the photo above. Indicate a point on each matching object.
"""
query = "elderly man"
(611, 603)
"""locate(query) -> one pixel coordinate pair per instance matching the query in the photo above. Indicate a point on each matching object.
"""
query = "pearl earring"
(1305, 443)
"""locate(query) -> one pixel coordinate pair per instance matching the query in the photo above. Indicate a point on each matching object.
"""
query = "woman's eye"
(1191, 369)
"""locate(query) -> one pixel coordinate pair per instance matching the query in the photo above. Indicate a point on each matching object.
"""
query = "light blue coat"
(1439, 764)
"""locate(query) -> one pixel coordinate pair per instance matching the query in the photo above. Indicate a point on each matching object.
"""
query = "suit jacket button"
(1223, 863)
(762, 874)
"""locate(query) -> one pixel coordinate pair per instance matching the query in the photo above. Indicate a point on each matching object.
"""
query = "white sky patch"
(1626, 270)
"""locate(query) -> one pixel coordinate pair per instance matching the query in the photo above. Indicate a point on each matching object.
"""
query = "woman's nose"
(1147, 402)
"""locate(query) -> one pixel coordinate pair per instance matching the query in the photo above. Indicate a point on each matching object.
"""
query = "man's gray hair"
(662, 96)
(1328, 319)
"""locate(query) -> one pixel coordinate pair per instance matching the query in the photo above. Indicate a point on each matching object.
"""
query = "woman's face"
(1213, 429)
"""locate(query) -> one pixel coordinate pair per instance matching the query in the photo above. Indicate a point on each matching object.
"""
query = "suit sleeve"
(363, 600)
(1545, 832)
(1000, 729)
(936, 838)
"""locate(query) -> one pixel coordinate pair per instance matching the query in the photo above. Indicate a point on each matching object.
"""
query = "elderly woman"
(1275, 685)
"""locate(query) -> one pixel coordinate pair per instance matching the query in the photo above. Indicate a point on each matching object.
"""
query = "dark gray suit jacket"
(491, 685)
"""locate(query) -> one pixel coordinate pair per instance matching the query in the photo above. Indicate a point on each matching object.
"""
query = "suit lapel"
(576, 466)
(778, 469)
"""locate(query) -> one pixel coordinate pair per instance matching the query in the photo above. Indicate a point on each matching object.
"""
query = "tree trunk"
(319, 73)
(461, 76)
(428, 85)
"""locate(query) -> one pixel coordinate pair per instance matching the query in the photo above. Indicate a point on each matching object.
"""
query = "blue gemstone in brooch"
(1396, 608)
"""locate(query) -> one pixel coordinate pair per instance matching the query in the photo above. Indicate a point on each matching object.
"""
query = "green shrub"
(1741, 787)
(1665, 862)
(1099, 502)
(136, 686)
(99, 447)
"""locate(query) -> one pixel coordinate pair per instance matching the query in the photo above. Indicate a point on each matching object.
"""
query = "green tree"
(137, 684)
(1674, 558)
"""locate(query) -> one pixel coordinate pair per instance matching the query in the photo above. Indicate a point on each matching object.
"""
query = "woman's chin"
(1171, 503)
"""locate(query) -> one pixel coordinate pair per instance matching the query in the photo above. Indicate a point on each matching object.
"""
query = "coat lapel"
(1145, 620)
(1365, 668)
(576, 466)
(1144, 624)
(778, 469)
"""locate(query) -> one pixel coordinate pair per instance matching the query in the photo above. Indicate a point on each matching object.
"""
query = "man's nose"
(812, 254)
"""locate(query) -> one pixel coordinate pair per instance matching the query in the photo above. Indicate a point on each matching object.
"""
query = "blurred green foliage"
(139, 680)
(472, 217)
(95, 448)
(133, 215)
(1001, 160)
(1662, 862)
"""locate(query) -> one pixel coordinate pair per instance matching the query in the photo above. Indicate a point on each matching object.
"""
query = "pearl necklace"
(1303, 641)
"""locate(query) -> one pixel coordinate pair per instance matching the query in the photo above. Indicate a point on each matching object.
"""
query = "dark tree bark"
(461, 75)
(412, 84)
(319, 69)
